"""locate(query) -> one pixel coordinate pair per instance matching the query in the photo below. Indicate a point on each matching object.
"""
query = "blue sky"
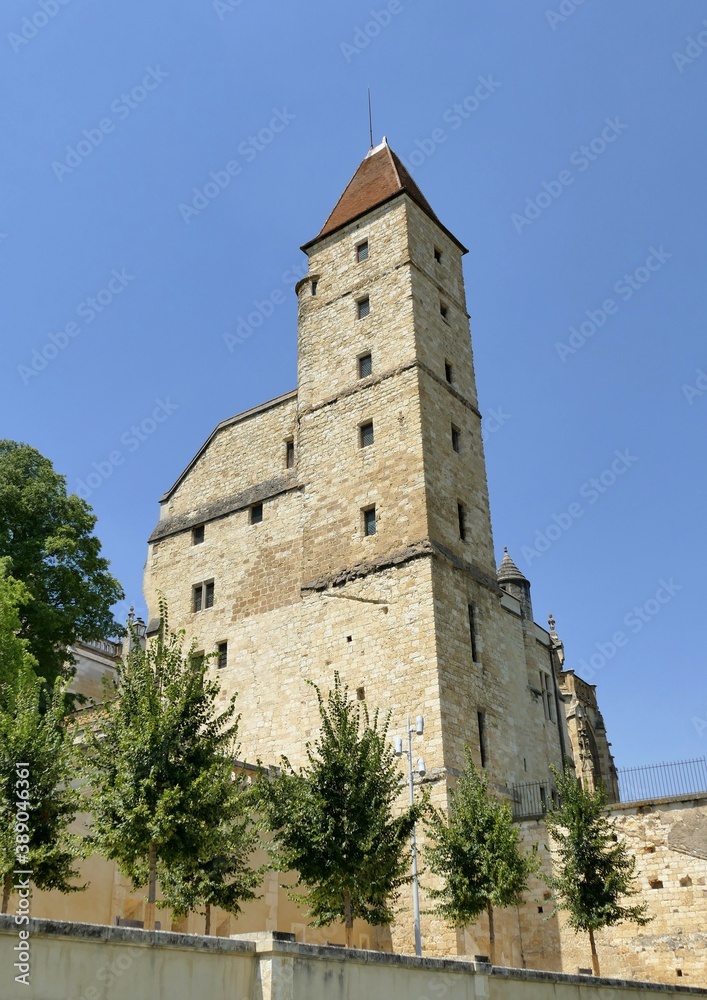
(574, 171)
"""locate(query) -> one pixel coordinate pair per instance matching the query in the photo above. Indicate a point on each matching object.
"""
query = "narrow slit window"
(438, 255)
(197, 598)
(290, 454)
(443, 310)
(461, 517)
(314, 286)
(481, 722)
(456, 439)
(472, 633)
(208, 595)
(222, 655)
(256, 513)
(369, 521)
(197, 534)
(365, 365)
(448, 372)
(364, 307)
(366, 434)
(362, 251)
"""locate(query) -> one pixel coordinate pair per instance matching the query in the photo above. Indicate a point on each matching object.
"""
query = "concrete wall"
(87, 962)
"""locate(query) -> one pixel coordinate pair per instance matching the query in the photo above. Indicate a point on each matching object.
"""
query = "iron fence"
(531, 799)
(662, 781)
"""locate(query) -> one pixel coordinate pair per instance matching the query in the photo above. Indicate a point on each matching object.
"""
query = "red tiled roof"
(379, 178)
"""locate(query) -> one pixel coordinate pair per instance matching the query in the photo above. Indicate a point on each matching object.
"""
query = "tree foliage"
(476, 852)
(33, 733)
(161, 764)
(47, 536)
(333, 820)
(592, 869)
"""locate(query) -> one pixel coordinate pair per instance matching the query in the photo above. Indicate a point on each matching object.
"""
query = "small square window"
(369, 521)
(365, 366)
(461, 515)
(222, 655)
(443, 310)
(256, 513)
(362, 251)
(209, 595)
(197, 534)
(290, 454)
(448, 372)
(364, 307)
(456, 439)
(366, 434)
(438, 255)
(197, 598)
(313, 286)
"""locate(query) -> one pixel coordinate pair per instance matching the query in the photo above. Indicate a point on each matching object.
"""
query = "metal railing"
(531, 799)
(662, 781)
(102, 646)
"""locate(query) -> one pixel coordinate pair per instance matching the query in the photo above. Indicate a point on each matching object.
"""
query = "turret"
(515, 583)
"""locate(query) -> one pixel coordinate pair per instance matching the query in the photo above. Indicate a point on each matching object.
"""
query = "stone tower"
(345, 525)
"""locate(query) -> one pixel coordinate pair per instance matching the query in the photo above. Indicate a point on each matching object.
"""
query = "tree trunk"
(152, 888)
(6, 892)
(492, 935)
(207, 924)
(595, 957)
(348, 919)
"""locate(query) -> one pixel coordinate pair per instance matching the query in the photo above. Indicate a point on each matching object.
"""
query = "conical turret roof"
(380, 177)
(508, 572)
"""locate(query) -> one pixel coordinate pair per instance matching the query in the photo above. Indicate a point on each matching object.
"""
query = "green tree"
(332, 820)
(476, 852)
(221, 874)
(592, 868)
(161, 764)
(47, 536)
(37, 764)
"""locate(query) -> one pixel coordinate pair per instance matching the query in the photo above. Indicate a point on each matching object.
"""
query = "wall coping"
(274, 943)
(667, 800)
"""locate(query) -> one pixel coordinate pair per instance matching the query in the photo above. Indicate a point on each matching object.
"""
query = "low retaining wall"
(69, 961)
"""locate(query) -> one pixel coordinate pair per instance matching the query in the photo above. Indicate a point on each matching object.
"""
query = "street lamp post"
(419, 729)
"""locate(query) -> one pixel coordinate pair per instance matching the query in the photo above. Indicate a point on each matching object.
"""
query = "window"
(222, 654)
(290, 454)
(472, 632)
(197, 534)
(461, 515)
(543, 798)
(438, 255)
(448, 372)
(198, 659)
(256, 513)
(481, 722)
(314, 286)
(360, 694)
(456, 439)
(369, 521)
(364, 307)
(547, 695)
(362, 251)
(203, 596)
(366, 434)
(443, 310)
(365, 365)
